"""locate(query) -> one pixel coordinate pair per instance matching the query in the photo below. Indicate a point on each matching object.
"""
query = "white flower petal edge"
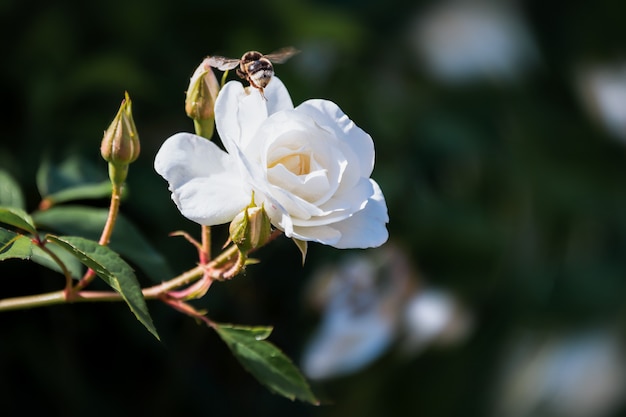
(204, 180)
(331, 117)
(240, 111)
(365, 228)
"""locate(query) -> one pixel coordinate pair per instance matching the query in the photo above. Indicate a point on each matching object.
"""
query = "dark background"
(508, 194)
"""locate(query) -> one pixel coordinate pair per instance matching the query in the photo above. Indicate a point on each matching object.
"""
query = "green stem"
(31, 301)
(204, 128)
(61, 297)
(105, 237)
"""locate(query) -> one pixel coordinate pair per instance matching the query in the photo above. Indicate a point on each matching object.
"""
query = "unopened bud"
(120, 143)
(250, 229)
(201, 96)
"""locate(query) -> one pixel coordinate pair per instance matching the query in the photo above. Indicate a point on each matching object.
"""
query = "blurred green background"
(502, 187)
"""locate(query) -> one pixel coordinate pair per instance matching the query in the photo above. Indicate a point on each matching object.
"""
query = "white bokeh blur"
(602, 88)
(578, 373)
(466, 41)
(371, 303)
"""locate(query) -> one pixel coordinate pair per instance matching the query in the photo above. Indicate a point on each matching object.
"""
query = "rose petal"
(211, 201)
(338, 209)
(180, 158)
(277, 96)
(322, 234)
(205, 183)
(185, 156)
(309, 187)
(366, 228)
(287, 128)
(277, 214)
(329, 116)
(297, 207)
(239, 112)
(238, 115)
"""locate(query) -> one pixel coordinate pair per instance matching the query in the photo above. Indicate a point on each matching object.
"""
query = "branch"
(60, 297)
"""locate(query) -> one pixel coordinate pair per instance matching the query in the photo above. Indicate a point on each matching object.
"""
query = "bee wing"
(222, 63)
(280, 56)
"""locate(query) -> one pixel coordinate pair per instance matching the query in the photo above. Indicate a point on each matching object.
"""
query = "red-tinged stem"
(183, 307)
(196, 290)
(68, 276)
(205, 253)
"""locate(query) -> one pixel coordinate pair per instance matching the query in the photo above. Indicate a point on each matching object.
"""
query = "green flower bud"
(250, 229)
(200, 99)
(120, 143)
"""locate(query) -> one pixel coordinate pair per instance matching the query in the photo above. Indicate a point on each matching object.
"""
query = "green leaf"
(18, 218)
(10, 192)
(80, 192)
(72, 264)
(113, 270)
(127, 240)
(14, 245)
(265, 361)
(72, 172)
(72, 179)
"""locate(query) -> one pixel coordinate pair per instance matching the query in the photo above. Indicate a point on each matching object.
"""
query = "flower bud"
(120, 143)
(200, 99)
(250, 229)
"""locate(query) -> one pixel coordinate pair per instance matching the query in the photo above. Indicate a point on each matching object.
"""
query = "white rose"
(309, 167)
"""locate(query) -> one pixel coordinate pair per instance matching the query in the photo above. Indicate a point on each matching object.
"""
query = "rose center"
(296, 163)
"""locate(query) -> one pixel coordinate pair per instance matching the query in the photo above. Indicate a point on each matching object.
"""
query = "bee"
(254, 67)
